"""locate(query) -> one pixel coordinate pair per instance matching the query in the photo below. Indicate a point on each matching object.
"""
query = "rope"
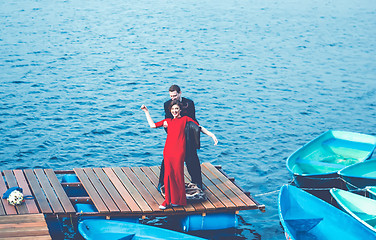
(267, 193)
(263, 194)
(317, 178)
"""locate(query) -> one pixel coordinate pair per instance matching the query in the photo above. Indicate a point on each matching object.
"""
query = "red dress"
(174, 154)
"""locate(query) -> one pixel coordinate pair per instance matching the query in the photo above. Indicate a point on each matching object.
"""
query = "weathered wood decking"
(31, 226)
(49, 195)
(118, 191)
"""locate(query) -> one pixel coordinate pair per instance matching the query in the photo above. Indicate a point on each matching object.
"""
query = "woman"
(174, 153)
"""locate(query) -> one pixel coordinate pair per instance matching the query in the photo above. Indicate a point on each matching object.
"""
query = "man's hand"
(165, 124)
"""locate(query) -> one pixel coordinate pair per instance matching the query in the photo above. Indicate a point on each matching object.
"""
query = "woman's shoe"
(163, 206)
(175, 205)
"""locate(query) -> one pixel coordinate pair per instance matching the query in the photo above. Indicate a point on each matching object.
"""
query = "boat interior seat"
(320, 164)
(341, 143)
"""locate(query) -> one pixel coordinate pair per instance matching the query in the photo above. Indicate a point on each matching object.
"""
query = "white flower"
(15, 198)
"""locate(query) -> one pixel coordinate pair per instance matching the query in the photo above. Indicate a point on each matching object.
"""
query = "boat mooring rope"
(355, 188)
(267, 193)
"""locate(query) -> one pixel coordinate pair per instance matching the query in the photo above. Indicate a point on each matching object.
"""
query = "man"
(191, 160)
(188, 105)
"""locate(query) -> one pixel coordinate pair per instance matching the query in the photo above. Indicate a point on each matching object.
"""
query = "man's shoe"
(159, 187)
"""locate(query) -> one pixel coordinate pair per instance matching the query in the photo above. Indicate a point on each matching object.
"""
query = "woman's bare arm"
(148, 117)
(210, 134)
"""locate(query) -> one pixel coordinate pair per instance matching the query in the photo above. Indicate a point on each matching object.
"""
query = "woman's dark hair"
(175, 102)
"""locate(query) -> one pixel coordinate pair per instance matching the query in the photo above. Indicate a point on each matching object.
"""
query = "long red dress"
(174, 154)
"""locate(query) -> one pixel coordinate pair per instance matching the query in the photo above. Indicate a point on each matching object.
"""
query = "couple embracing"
(179, 112)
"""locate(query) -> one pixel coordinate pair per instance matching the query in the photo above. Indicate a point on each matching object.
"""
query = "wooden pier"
(118, 191)
(31, 226)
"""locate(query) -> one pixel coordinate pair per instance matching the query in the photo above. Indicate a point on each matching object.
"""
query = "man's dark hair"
(175, 102)
(174, 88)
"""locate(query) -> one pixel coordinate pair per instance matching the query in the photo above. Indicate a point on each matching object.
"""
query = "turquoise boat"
(110, 230)
(316, 164)
(361, 208)
(359, 175)
(304, 216)
(371, 191)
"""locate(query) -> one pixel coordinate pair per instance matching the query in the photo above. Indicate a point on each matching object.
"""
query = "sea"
(266, 76)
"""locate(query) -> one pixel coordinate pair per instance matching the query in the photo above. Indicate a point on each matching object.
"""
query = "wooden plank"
(30, 203)
(223, 188)
(151, 188)
(2, 210)
(49, 192)
(212, 193)
(37, 191)
(155, 180)
(199, 206)
(230, 184)
(61, 194)
(39, 237)
(141, 189)
(123, 207)
(5, 226)
(132, 190)
(101, 190)
(90, 189)
(12, 182)
(23, 230)
(22, 218)
(206, 204)
(212, 202)
(122, 190)
(6, 209)
(31, 226)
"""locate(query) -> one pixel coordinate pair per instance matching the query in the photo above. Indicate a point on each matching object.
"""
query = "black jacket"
(192, 136)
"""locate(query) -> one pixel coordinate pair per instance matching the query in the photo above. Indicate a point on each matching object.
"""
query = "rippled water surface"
(266, 77)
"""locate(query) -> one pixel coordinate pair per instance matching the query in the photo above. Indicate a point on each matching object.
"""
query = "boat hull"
(316, 164)
(110, 229)
(304, 216)
(359, 175)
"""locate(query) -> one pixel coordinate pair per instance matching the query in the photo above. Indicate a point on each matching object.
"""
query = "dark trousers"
(193, 166)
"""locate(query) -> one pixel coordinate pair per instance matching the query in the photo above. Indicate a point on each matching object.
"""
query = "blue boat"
(359, 207)
(317, 163)
(304, 216)
(110, 230)
(359, 175)
(371, 191)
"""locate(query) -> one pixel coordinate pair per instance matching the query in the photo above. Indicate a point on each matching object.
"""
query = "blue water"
(266, 77)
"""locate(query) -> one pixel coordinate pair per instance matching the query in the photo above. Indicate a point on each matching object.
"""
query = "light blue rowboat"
(371, 191)
(119, 230)
(359, 175)
(304, 216)
(316, 164)
(361, 208)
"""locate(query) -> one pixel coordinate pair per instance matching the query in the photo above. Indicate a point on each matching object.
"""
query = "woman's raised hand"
(144, 108)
